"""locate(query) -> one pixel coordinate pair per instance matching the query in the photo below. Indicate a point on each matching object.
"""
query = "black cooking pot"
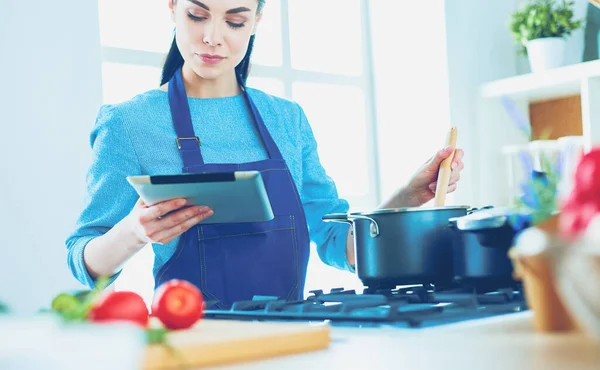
(481, 241)
(402, 246)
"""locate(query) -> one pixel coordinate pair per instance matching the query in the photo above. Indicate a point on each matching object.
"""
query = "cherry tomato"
(120, 306)
(178, 304)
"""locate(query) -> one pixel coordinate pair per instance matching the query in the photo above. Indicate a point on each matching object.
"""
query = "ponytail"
(173, 62)
(242, 70)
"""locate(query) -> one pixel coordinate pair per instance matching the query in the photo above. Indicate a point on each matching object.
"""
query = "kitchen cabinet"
(555, 118)
(562, 102)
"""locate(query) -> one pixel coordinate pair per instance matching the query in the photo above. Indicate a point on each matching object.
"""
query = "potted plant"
(540, 27)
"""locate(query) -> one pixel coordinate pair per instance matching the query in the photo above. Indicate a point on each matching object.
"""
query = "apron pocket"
(239, 261)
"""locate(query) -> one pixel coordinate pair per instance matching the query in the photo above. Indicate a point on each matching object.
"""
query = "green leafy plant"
(536, 19)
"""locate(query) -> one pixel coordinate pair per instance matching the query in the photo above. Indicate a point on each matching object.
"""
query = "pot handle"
(345, 218)
(373, 229)
(337, 217)
(472, 210)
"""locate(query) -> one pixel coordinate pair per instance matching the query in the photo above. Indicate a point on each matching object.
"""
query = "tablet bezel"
(252, 205)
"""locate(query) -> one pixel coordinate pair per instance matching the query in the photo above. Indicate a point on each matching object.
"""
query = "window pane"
(267, 46)
(121, 82)
(136, 24)
(137, 276)
(321, 276)
(271, 86)
(325, 36)
(337, 117)
(412, 91)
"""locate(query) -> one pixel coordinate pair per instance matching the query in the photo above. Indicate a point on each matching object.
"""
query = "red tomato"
(178, 304)
(587, 176)
(120, 306)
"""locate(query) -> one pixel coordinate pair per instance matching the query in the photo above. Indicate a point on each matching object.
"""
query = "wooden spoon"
(595, 2)
(445, 170)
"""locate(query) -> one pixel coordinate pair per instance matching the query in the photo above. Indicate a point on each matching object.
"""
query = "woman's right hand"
(148, 225)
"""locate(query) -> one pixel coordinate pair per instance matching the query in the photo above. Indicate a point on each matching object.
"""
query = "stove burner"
(414, 306)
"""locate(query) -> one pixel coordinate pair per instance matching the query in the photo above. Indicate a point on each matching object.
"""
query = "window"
(328, 104)
(139, 78)
(293, 59)
(268, 49)
(135, 25)
(312, 36)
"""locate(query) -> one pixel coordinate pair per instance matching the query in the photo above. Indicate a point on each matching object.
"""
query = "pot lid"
(409, 209)
(489, 218)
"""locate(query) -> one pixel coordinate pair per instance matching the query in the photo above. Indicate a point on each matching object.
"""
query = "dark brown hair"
(174, 59)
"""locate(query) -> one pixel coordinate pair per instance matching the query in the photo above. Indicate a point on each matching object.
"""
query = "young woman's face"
(213, 35)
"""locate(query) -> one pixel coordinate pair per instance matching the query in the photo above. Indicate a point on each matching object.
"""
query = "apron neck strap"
(188, 143)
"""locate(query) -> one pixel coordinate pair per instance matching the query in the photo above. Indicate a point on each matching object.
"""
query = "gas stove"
(408, 306)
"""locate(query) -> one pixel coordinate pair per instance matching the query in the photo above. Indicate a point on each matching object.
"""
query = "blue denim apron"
(233, 262)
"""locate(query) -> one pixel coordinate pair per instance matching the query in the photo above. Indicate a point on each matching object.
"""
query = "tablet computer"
(238, 196)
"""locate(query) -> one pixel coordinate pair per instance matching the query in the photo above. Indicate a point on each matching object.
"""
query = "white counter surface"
(503, 342)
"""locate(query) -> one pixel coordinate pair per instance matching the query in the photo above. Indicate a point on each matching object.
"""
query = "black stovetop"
(410, 307)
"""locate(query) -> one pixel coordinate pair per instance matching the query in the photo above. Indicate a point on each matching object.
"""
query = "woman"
(203, 95)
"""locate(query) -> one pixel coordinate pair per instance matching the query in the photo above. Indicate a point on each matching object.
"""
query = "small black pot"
(481, 241)
(403, 246)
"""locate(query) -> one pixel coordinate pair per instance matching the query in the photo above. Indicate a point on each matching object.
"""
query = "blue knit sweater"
(137, 138)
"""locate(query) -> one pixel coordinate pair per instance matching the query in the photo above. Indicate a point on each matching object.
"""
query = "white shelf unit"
(546, 85)
(496, 130)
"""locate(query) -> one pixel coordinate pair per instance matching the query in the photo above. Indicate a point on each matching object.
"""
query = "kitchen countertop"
(502, 342)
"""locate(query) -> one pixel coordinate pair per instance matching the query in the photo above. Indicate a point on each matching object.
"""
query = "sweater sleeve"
(320, 197)
(109, 197)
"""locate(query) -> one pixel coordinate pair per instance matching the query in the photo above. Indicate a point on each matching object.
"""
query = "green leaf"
(65, 303)
(542, 18)
(77, 307)
(156, 335)
(159, 336)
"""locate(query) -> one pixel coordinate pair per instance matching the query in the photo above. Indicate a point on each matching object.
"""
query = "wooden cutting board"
(218, 342)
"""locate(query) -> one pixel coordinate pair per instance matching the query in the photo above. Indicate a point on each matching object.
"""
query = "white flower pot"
(546, 53)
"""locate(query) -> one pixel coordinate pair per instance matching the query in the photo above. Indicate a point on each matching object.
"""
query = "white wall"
(51, 77)
(480, 49)
(575, 44)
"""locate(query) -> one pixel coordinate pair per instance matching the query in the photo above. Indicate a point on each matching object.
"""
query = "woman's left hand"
(421, 187)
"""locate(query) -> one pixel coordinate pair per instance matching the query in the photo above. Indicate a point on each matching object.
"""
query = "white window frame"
(321, 276)
(288, 75)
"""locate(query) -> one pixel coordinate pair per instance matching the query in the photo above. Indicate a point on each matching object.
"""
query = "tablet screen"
(192, 178)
